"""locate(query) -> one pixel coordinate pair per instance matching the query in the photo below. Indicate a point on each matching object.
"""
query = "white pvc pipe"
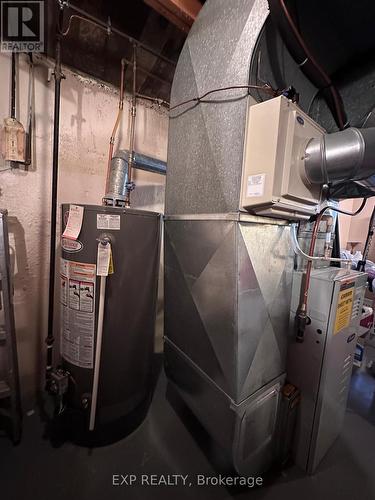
(297, 249)
(98, 352)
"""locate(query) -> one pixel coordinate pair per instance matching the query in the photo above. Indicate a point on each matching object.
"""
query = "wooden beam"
(181, 13)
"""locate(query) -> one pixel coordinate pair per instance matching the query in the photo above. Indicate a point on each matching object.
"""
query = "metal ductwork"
(225, 319)
(345, 161)
(228, 273)
(118, 177)
(206, 142)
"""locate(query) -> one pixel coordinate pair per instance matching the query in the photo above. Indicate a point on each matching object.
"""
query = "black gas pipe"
(58, 76)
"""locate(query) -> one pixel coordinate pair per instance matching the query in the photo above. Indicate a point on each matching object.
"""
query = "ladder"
(10, 401)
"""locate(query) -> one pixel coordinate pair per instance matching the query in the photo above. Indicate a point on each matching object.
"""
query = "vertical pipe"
(13, 164)
(29, 131)
(301, 316)
(98, 351)
(132, 126)
(13, 87)
(118, 119)
(55, 165)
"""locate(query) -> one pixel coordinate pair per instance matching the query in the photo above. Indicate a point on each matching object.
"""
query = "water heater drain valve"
(59, 381)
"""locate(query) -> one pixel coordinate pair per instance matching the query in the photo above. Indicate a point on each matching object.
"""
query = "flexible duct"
(348, 155)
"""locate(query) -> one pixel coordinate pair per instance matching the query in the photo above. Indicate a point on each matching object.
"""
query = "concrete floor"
(164, 445)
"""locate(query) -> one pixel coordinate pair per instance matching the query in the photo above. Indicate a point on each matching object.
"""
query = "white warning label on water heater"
(77, 297)
(255, 185)
(108, 221)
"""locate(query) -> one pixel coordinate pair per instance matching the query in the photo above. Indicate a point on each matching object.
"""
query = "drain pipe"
(58, 76)
(133, 111)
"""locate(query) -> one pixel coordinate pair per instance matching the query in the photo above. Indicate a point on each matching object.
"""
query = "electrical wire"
(265, 88)
(344, 212)
(340, 113)
(85, 19)
(155, 100)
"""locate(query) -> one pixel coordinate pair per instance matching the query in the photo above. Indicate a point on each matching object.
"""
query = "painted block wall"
(88, 112)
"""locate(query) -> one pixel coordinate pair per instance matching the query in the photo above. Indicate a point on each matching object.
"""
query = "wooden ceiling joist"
(182, 13)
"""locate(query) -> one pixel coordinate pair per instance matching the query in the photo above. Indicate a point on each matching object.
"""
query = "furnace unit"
(321, 366)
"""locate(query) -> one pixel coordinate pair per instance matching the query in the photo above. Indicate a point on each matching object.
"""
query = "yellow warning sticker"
(344, 309)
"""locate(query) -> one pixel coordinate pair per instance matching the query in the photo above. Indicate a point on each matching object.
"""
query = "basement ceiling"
(89, 49)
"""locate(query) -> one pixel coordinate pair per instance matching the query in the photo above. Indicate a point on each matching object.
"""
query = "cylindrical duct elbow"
(342, 156)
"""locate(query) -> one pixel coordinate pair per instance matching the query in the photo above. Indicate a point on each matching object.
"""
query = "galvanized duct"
(343, 160)
(206, 140)
(118, 177)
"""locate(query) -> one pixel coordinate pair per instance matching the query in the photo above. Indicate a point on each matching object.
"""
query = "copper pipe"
(301, 316)
(133, 112)
(303, 307)
(117, 122)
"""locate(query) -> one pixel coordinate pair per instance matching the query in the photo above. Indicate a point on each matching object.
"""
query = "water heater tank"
(129, 317)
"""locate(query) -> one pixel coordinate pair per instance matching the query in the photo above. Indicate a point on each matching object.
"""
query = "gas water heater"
(105, 395)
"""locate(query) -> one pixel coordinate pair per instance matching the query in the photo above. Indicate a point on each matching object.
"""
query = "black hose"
(352, 214)
(55, 168)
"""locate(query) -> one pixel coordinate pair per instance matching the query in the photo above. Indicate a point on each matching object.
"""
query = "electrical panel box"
(273, 179)
(321, 366)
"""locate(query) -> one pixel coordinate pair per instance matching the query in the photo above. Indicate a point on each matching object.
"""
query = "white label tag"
(74, 224)
(103, 259)
(255, 185)
(108, 221)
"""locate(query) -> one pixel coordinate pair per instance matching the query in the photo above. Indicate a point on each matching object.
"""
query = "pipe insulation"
(342, 156)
